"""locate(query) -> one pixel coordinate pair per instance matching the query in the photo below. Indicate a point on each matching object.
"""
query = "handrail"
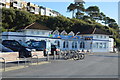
(4, 62)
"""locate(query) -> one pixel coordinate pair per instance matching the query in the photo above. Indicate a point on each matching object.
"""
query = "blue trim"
(99, 40)
(31, 36)
(67, 38)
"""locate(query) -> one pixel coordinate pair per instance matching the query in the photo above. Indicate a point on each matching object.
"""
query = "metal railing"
(25, 59)
(37, 58)
(4, 62)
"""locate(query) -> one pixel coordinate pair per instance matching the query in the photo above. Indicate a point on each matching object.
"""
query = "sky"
(110, 8)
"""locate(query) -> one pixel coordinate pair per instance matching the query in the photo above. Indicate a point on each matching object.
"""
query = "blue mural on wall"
(65, 36)
(71, 37)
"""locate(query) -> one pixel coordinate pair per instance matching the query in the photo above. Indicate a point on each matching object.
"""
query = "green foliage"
(15, 19)
(54, 23)
(117, 42)
(77, 6)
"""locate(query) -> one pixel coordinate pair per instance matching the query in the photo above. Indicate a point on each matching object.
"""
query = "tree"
(8, 16)
(111, 21)
(103, 18)
(114, 26)
(23, 18)
(106, 20)
(72, 8)
(59, 22)
(79, 15)
(80, 9)
(76, 6)
(93, 12)
(13, 20)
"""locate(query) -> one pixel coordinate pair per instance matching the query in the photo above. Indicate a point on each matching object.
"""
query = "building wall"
(111, 45)
(100, 43)
(2, 3)
(100, 46)
(12, 37)
(47, 12)
(42, 11)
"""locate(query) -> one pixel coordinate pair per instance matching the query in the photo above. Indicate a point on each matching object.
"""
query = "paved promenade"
(98, 65)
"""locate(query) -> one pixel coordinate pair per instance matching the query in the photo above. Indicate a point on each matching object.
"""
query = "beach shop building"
(94, 40)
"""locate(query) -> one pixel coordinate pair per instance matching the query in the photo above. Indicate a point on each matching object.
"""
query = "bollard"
(59, 55)
(47, 55)
(18, 61)
(25, 62)
(54, 55)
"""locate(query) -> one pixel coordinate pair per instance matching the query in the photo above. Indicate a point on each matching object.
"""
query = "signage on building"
(65, 36)
(87, 37)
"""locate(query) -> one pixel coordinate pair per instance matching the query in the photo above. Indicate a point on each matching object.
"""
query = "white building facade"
(84, 42)
(48, 12)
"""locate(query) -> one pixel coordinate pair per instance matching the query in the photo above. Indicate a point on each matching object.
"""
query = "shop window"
(64, 44)
(67, 44)
(97, 45)
(100, 45)
(43, 33)
(75, 44)
(58, 43)
(97, 36)
(104, 45)
(104, 36)
(72, 44)
(32, 32)
(37, 32)
(82, 45)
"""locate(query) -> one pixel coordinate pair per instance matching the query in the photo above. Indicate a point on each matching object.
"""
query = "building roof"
(63, 32)
(94, 31)
(37, 26)
(71, 33)
(56, 32)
